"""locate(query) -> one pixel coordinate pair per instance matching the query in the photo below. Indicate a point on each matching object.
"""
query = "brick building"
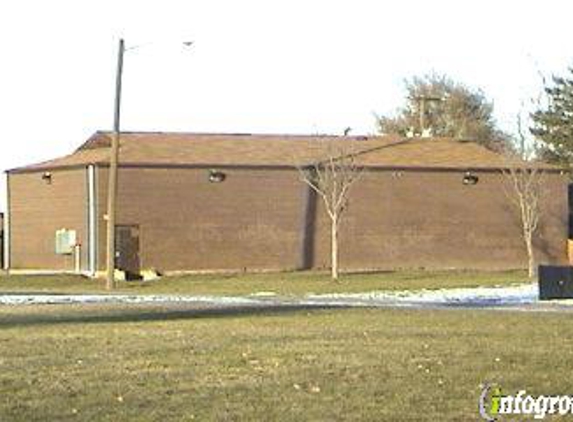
(196, 202)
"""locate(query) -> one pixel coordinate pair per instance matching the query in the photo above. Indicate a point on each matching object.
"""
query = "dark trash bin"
(555, 282)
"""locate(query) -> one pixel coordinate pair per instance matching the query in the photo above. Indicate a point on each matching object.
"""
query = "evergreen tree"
(445, 108)
(553, 125)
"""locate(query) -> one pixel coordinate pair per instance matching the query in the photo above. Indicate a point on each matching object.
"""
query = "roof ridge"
(365, 151)
(245, 134)
(379, 147)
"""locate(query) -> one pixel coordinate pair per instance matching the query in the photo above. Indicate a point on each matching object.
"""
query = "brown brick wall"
(254, 220)
(250, 221)
(432, 220)
(38, 209)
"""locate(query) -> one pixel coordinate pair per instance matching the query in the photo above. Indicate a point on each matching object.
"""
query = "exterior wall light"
(47, 177)
(216, 176)
(470, 179)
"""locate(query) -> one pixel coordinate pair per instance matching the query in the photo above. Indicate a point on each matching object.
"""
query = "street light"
(113, 166)
(112, 183)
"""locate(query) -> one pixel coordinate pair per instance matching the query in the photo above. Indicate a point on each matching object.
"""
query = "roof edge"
(150, 165)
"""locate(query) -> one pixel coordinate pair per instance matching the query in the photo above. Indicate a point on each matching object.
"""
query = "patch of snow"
(515, 295)
(475, 296)
(50, 299)
(263, 294)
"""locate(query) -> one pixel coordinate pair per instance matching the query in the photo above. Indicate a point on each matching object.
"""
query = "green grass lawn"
(96, 363)
(286, 283)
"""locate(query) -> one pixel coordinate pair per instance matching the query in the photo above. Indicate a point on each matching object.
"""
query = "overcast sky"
(280, 66)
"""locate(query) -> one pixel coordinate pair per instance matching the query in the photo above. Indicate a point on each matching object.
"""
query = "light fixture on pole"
(113, 169)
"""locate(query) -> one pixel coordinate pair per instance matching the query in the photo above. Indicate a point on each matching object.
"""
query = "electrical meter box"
(65, 241)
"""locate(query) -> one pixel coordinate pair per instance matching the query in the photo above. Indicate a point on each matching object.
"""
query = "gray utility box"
(555, 282)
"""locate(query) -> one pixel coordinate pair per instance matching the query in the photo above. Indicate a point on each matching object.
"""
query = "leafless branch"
(524, 188)
(331, 177)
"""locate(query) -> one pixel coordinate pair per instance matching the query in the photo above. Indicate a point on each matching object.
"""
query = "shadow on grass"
(134, 315)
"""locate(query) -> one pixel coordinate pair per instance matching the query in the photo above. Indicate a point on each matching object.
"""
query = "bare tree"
(525, 185)
(331, 178)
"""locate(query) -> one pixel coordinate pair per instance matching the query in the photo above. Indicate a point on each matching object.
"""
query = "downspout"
(92, 221)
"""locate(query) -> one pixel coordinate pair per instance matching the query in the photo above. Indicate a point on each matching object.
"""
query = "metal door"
(127, 249)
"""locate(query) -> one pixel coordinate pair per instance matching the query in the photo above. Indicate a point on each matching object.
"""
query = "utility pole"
(113, 164)
(422, 100)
